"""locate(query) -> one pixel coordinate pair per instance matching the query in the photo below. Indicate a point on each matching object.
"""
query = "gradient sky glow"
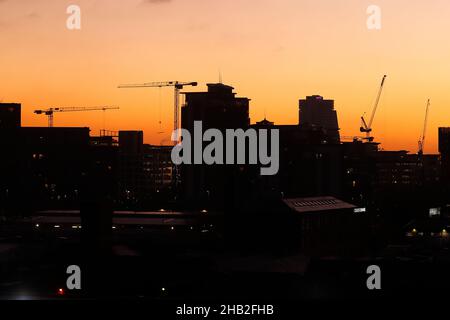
(274, 52)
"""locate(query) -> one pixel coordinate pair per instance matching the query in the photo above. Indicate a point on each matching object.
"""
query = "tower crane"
(50, 111)
(422, 138)
(366, 127)
(177, 85)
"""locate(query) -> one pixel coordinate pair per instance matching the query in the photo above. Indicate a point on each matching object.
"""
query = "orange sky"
(274, 52)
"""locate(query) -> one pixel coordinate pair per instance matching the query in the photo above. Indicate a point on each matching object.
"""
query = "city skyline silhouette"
(297, 56)
(186, 154)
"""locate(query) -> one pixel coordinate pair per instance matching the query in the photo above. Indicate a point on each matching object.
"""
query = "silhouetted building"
(104, 164)
(401, 170)
(158, 168)
(219, 108)
(109, 139)
(444, 150)
(264, 123)
(432, 172)
(327, 225)
(368, 170)
(396, 184)
(397, 169)
(309, 165)
(359, 171)
(444, 140)
(45, 167)
(10, 115)
(315, 110)
(131, 173)
(51, 167)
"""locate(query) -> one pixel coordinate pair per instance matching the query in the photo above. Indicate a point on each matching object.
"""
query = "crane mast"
(422, 138)
(366, 127)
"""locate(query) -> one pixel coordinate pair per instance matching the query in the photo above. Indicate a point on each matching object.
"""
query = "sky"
(273, 52)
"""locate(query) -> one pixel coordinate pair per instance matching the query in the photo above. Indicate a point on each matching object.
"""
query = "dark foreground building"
(52, 168)
(45, 166)
(131, 174)
(444, 150)
(328, 225)
(395, 184)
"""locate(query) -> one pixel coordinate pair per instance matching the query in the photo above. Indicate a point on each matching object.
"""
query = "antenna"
(220, 77)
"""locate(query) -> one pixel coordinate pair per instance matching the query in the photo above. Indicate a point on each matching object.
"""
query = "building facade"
(219, 108)
(315, 110)
(10, 115)
(158, 168)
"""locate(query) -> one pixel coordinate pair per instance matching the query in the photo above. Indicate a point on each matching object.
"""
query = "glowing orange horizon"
(274, 53)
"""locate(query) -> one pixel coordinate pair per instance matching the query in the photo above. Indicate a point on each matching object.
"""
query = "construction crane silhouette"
(50, 111)
(366, 127)
(425, 123)
(178, 86)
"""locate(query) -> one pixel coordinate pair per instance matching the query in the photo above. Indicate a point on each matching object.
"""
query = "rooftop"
(314, 204)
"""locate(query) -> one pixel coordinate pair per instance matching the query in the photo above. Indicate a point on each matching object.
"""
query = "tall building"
(104, 163)
(444, 140)
(444, 150)
(315, 110)
(359, 171)
(219, 108)
(131, 173)
(10, 115)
